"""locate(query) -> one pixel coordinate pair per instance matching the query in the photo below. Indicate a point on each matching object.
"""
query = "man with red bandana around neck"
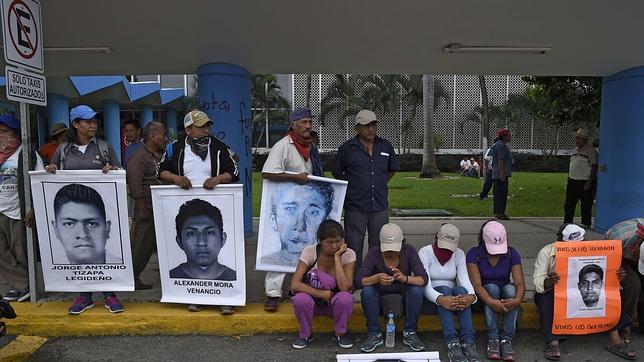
(291, 159)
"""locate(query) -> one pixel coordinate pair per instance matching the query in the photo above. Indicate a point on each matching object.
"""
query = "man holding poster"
(559, 293)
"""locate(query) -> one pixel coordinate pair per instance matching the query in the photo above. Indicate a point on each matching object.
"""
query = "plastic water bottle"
(390, 339)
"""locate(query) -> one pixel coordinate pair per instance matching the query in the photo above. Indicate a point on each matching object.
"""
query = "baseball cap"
(58, 128)
(196, 118)
(448, 237)
(573, 232)
(365, 116)
(10, 121)
(495, 237)
(391, 237)
(299, 113)
(82, 112)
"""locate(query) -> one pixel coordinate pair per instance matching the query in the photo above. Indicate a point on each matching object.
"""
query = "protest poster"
(289, 218)
(587, 298)
(200, 244)
(82, 222)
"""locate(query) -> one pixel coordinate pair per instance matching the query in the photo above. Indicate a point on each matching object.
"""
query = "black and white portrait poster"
(82, 222)
(289, 218)
(200, 243)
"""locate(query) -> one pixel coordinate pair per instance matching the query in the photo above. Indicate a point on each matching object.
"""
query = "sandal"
(622, 350)
(552, 353)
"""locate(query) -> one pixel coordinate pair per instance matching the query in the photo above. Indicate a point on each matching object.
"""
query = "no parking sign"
(22, 32)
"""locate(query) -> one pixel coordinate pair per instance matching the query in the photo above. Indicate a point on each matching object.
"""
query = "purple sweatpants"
(340, 308)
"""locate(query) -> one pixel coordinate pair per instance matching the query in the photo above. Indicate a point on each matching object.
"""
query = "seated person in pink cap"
(322, 284)
(545, 278)
(450, 292)
(490, 266)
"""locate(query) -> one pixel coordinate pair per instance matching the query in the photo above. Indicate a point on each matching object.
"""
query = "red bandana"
(8, 145)
(302, 144)
(443, 255)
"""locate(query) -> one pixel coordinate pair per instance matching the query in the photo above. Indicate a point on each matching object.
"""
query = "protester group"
(439, 278)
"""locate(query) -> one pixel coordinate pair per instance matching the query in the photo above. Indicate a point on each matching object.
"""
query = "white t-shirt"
(9, 199)
(453, 273)
(581, 162)
(194, 168)
(488, 158)
(284, 157)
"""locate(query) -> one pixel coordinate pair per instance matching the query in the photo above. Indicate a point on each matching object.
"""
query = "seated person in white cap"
(490, 266)
(545, 278)
(450, 292)
(393, 267)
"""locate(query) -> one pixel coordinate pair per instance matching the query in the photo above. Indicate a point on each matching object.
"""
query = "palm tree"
(268, 102)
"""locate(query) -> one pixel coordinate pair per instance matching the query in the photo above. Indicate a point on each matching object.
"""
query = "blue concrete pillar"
(620, 188)
(112, 124)
(58, 109)
(146, 115)
(224, 94)
(43, 133)
(171, 121)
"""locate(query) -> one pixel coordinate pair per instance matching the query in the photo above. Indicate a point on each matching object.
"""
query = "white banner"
(200, 243)
(83, 232)
(290, 216)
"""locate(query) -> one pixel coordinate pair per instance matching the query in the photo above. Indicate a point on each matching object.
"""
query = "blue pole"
(224, 94)
(146, 115)
(171, 121)
(58, 109)
(112, 124)
(620, 194)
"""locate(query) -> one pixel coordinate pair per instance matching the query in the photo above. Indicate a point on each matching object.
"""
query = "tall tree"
(268, 102)
(429, 168)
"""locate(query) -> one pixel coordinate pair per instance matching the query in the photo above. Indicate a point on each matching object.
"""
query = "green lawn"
(531, 194)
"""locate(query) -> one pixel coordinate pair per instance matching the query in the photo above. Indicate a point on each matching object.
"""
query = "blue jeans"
(372, 305)
(446, 316)
(491, 317)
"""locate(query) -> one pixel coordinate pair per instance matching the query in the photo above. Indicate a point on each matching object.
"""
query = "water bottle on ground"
(390, 339)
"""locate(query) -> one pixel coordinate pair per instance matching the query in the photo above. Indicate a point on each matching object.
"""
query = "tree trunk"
(309, 81)
(485, 121)
(429, 168)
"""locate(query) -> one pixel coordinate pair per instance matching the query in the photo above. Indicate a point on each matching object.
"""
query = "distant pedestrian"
(582, 173)
(133, 140)
(57, 133)
(487, 172)
(501, 172)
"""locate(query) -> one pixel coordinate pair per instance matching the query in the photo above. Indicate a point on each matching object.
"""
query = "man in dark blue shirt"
(367, 162)
(501, 171)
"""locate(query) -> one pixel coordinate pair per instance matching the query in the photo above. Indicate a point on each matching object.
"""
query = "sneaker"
(343, 341)
(507, 352)
(113, 304)
(493, 351)
(12, 295)
(470, 352)
(80, 305)
(24, 295)
(227, 310)
(502, 217)
(455, 353)
(194, 308)
(411, 339)
(302, 342)
(372, 342)
(271, 304)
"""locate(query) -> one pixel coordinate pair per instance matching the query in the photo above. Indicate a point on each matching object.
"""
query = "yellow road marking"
(21, 348)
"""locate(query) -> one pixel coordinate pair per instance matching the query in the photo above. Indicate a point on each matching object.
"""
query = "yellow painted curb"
(52, 320)
(21, 348)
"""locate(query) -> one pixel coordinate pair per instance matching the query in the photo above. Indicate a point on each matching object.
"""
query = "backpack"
(103, 148)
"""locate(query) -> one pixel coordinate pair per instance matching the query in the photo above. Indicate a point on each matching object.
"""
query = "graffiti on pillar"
(244, 124)
(247, 182)
(213, 104)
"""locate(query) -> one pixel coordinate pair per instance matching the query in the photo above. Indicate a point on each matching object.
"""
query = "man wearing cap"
(13, 238)
(367, 162)
(293, 158)
(199, 159)
(501, 172)
(57, 132)
(581, 176)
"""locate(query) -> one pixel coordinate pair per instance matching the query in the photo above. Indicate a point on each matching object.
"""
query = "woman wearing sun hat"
(490, 266)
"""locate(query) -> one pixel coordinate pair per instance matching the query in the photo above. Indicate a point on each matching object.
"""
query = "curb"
(52, 320)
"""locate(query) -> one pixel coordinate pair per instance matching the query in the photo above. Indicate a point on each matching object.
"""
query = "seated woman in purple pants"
(322, 284)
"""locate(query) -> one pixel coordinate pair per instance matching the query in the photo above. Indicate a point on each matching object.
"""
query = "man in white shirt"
(581, 177)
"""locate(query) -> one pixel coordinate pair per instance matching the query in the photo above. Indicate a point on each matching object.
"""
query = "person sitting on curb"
(450, 292)
(392, 268)
(490, 266)
(546, 277)
(322, 284)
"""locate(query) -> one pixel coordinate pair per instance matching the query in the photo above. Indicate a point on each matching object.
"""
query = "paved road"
(528, 347)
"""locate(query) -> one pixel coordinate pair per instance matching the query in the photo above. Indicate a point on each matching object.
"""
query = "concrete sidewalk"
(144, 315)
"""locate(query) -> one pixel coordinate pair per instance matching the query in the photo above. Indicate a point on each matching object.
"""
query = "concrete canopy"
(364, 36)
